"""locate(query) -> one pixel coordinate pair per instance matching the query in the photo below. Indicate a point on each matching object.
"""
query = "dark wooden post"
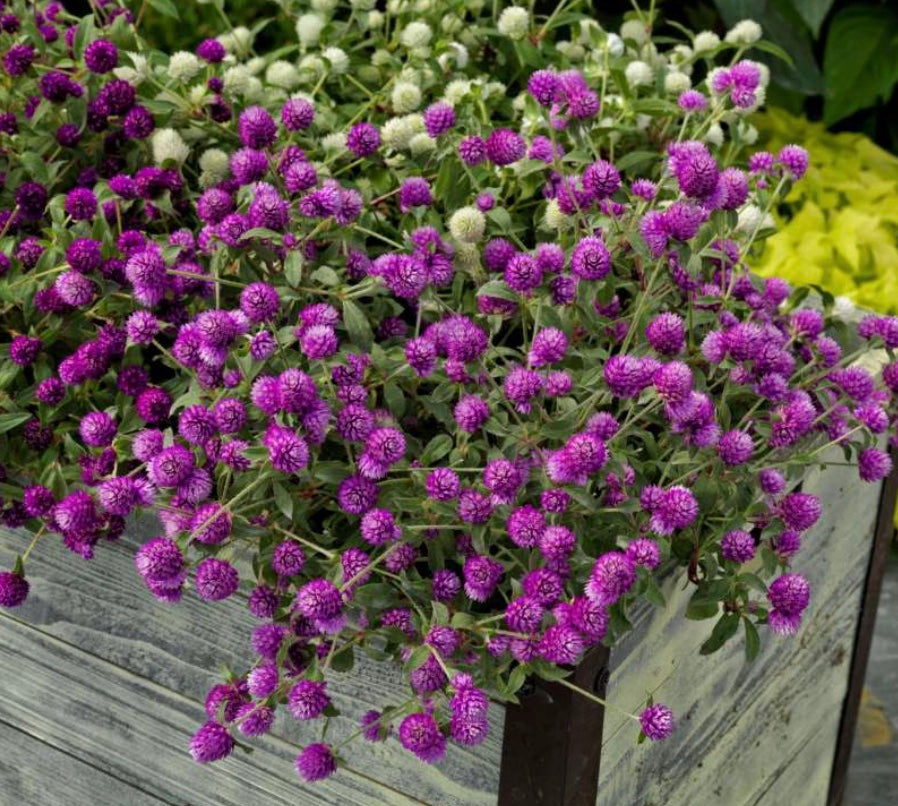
(553, 740)
(882, 539)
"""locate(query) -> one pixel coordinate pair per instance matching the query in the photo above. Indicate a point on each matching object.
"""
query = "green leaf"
(284, 500)
(394, 398)
(752, 640)
(10, 421)
(725, 629)
(165, 7)
(813, 12)
(418, 658)
(343, 661)
(699, 609)
(357, 325)
(436, 449)
(859, 62)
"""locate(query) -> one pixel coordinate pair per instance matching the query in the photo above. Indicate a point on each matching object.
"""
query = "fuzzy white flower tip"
(744, 32)
(169, 146)
(183, 65)
(638, 74)
(416, 35)
(406, 97)
(337, 59)
(635, 30)
(308, 29)
(467, 225)
(514, 22)
(705, 41)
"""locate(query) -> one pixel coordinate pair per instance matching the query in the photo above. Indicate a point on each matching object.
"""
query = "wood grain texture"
(33, 772)
(100, 611)
(748, 735)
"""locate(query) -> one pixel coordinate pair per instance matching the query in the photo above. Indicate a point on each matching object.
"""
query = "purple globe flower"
(438, 118)
(363, 139)
(738, 546)
(657, 722)
(315, 763)
(13, 589)
(297, 114)
(613, 574)
(482, 575)
(504, 146)
(212, 742)
(256, 128)
(101, 56)
(420, 734)
(216, 579)
(308, 699)
(159, 560)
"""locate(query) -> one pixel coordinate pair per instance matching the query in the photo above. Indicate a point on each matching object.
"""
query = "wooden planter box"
(103, 687)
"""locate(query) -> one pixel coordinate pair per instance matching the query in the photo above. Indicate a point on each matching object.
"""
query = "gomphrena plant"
(431, 333)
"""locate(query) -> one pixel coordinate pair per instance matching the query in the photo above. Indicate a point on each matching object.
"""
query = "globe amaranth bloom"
(738, 546)
(612, 575)
(308, 699)
(216, 579)
(789, 596)
(316, 762)
(13, 589)
(420, 734)
(321, 602)
(212, 742)
(657, 722)
(363, 139)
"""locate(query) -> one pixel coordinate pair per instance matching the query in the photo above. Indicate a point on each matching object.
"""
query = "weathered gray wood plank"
(748, 735)
(137, 731)
(102, 607)
(33, 772)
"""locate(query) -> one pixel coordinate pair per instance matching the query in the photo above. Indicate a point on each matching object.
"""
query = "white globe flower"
(514, 22)
(362, 5)
(416, 35)
(255, 65)
(456, 91)
(423, 6)
(493, 88)
(451, 24)
(238, 41)
(311, 65)
(396, 133)
(635, 30)
(323, 7)
(751, 218)
(197, 94)
(456, 51)
(638, 74)
(254, 91)
(421, 144)
(714, 135)
(338, 60)
(335, 141)
(749, 134)
(375, 19)
(705, 41)
(215, 162)
(744, 32)
(467, 225)
(614, 44)
(308, 29)
(467, 257)
(183, 65)
(282, 74)
(236, 80)
(169, 146)
(676, 82)
(129, 74)
(406, 97)
(553, 218)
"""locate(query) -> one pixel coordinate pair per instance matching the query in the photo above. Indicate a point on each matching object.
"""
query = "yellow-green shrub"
(839, 228)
